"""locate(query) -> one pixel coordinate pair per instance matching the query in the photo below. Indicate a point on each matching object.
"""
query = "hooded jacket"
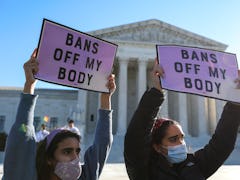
(143, 163)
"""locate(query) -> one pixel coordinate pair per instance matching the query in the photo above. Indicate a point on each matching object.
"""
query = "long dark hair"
(159, 129)
(44, 168)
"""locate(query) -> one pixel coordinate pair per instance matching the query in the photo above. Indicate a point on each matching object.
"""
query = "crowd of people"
(154, 147)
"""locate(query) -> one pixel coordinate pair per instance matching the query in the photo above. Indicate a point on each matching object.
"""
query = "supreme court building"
(134, 60)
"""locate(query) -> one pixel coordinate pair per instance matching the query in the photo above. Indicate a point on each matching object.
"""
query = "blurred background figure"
(40, 135)
(72, 127)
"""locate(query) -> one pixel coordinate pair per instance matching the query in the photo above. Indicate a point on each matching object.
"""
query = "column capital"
(142, 61)
(123, 59)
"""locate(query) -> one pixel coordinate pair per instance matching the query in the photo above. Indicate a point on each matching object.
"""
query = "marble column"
(182, 112)
(212, 115)
(197, 116)
(122, 97)
(82, 102)
(201, 115)
(142, 77)
(81, 116)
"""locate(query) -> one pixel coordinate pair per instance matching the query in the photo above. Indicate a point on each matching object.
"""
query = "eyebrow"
(70, 149)
(172, 137)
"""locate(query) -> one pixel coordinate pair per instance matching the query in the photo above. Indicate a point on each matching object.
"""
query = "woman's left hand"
(237, 81)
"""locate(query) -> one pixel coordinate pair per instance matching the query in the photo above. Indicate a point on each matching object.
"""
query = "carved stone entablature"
(158, 32)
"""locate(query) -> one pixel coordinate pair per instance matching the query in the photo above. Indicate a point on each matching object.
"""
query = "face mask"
(177, 154)
(68, 170)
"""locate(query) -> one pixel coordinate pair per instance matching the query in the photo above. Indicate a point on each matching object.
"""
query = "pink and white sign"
(72, 58)
(199, 71)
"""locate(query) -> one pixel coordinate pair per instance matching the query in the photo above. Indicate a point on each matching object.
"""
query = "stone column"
(182, 112)
(197, 115)
(122, 97)
(202, 118)
(82, 102)
(142, 78)
(177, 109)
(212, 115)
(81, 116)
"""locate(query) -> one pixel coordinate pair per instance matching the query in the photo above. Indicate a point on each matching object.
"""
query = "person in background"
(40, 135)
(57, 156)
(155, 149)
(72, 127)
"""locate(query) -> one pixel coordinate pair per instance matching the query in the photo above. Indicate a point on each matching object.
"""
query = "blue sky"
(21, 24)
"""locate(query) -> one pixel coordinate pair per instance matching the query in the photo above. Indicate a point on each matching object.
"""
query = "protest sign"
(199, 71)
(72, 58)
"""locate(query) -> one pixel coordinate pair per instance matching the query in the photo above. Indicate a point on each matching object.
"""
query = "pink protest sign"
(199, 71)
(72, 58)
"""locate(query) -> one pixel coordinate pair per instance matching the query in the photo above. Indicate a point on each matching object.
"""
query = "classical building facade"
(134, 60)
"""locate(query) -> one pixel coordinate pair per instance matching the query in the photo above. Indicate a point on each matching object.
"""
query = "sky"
(21, 23)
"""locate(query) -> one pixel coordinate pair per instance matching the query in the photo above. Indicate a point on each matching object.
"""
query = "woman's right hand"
(157, 72)
(30, 69)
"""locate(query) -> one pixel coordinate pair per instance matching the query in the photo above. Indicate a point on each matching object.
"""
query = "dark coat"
(142, 163)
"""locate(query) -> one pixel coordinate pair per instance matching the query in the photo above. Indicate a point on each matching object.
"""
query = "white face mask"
(69, 170)
(177, 154)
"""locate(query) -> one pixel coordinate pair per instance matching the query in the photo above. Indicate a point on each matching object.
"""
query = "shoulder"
(45, 132)
(75, 128)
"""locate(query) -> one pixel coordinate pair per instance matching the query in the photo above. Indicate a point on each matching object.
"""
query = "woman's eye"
(78, 151)
(173, 140)
(67, 152)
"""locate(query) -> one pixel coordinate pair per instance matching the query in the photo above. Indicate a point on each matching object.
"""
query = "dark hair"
(158, 132)
(159, 129)
(71, 121)
(43, 156)
(43, 126)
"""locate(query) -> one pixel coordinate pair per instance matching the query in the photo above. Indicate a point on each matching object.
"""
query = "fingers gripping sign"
(157, 72)
(237, 81)
(30, 69)
(111, 83)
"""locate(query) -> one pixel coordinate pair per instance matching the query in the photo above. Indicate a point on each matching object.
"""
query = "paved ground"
(117, 172)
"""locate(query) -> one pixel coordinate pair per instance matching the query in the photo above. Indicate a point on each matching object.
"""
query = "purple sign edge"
(39, 42)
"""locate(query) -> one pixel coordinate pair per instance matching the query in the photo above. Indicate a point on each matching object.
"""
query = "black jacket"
(142, 163)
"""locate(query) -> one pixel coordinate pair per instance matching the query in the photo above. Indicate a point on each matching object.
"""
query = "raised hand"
(157, 72)
(106, 97)
(237, 81)
(30, 69)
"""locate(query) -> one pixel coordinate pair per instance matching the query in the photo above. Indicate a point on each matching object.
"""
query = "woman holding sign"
(155, 148)
(57, 156)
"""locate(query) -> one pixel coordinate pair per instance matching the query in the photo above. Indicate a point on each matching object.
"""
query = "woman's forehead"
(174, 130)
(69, 142)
